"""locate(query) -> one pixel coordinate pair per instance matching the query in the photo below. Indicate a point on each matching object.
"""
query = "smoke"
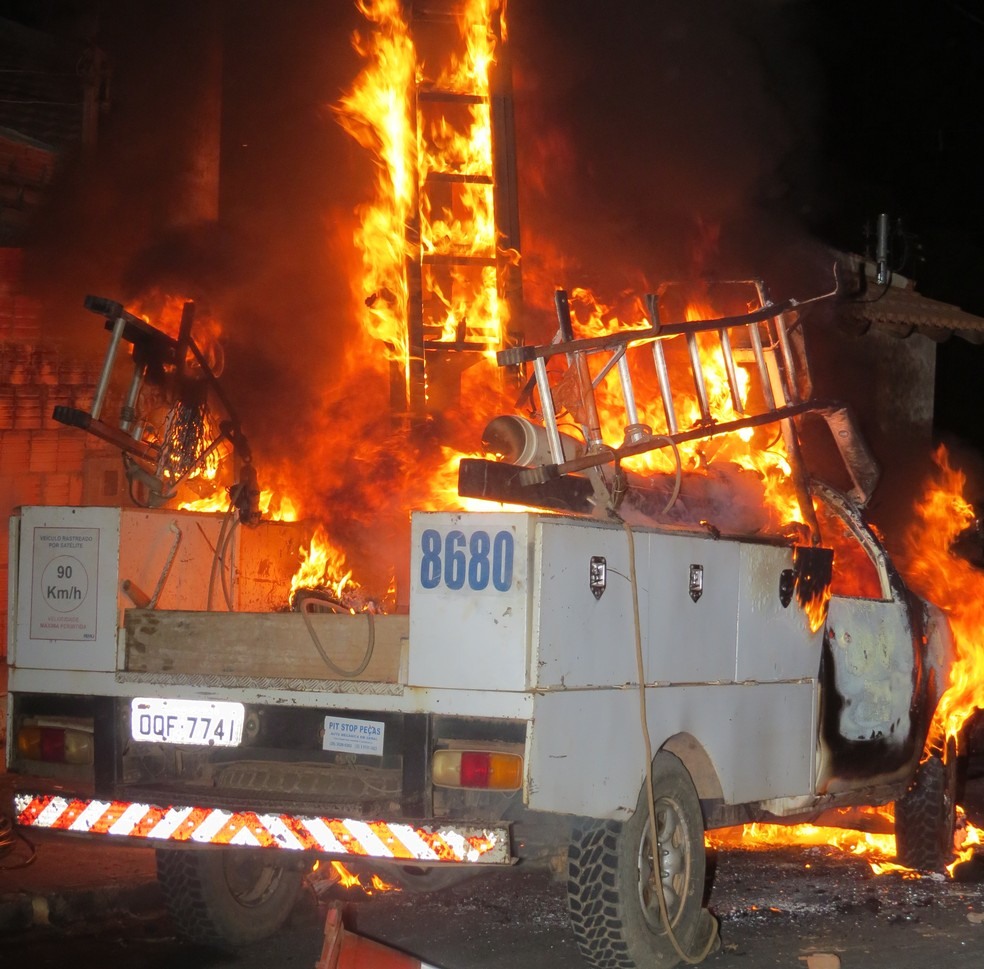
(275, 269)
(674, 138)
(654, 141)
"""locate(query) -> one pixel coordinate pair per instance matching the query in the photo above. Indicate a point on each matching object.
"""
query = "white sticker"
(63, 600)
(354, 736)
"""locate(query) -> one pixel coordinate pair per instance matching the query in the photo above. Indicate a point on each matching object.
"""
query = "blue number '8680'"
(458, 560)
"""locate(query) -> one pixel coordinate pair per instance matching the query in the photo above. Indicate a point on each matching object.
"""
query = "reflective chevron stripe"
(336, 836)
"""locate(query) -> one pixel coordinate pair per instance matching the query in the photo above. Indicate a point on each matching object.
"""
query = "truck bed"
(250, 646)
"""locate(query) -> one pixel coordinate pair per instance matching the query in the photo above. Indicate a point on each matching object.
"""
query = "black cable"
(226, 567)
(219, 551)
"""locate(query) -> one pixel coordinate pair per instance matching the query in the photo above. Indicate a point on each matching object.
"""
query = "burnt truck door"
(870, 726)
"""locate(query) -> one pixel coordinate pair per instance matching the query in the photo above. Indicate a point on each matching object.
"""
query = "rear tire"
(925, 816)
(226, 896)
(611, 896)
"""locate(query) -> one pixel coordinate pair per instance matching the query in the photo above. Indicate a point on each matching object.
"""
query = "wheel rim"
(250, 881)
(674, 864)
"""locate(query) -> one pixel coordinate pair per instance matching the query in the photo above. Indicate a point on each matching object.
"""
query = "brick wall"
(41, 461)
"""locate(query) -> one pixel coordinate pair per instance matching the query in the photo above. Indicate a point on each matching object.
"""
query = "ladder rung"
(729, 366)
(451, 97)
(467, 346)
(459, 177)
(434, 11)
(451, 259)
(665, 392)
(697, 370)
(464, 333)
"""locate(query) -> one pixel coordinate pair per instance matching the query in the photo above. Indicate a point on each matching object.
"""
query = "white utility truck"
(624, 634)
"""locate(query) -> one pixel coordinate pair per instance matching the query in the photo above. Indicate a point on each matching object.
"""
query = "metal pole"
(107, 370)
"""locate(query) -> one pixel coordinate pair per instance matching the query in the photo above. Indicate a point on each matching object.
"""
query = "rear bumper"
(427, 842)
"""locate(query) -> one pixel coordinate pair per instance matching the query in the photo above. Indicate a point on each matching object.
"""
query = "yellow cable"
(653, 838)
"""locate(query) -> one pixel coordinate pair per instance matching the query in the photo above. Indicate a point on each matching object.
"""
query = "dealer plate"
(202, 722)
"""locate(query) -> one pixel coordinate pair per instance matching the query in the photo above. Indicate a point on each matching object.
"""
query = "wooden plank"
(258, 644)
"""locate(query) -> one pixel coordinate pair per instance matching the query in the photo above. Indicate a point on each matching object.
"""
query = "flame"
(377, 113)
(371, 885)
(164, 311)
(323, 566)
(273, 505)
(278, 507)
(416, 141)
(877, 848)
(933, 571)
(854, 574)
(816, 609)
(592, 317)
(813, 584)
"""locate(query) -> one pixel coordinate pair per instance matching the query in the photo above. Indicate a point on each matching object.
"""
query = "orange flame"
(407, 222)
(273, 506)
(370, 885)
(323, 567)
(377, 113)
(933, 571)
(768, 459)
(936, 573)
(876, 847)
(164, 311)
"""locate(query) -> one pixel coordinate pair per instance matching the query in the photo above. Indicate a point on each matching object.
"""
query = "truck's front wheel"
(611, 887)
(925, 816)
(226, 896)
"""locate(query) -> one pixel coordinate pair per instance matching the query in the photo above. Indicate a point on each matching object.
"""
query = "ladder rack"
(758, 341)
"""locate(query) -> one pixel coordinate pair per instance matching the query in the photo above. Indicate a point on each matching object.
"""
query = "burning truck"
(640, 614)
(613, 660)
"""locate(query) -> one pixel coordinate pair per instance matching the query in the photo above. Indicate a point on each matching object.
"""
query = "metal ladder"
(435, 362)
(157, 358)
(759, 341)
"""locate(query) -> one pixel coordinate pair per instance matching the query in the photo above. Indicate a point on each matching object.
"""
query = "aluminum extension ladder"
(435, 360)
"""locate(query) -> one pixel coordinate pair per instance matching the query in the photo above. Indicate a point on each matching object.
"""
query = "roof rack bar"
(107, 370)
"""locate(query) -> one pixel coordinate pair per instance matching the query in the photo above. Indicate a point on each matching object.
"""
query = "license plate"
(218, 724)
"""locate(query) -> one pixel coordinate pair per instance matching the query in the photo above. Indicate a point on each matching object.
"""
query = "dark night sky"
(655, 138)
